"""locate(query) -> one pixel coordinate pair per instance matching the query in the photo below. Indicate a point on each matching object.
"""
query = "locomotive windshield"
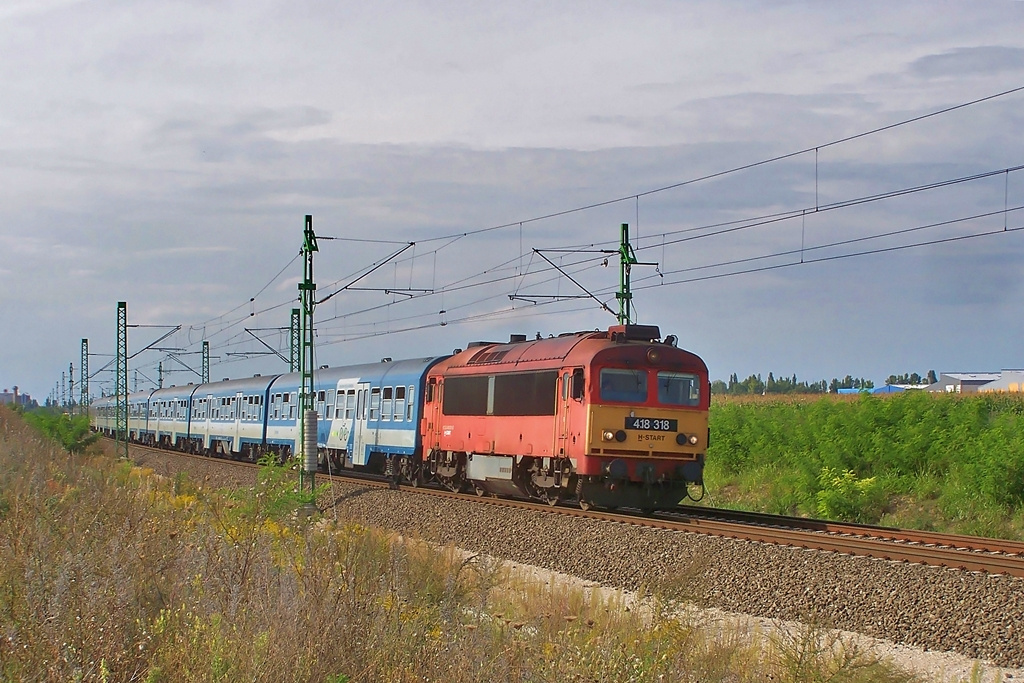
(619, 385)
(678, 389)
(623, 386)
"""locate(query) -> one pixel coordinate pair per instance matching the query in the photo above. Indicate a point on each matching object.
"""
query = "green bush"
(898, 456)
(71, 432)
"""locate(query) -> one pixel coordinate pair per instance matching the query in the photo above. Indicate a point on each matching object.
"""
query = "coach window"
(409, 402)
(361, 405)
(387, 403)
(350, 404)
(339, 405)
(678, 389)
(623, 386)
(399, 403)
(374, 403)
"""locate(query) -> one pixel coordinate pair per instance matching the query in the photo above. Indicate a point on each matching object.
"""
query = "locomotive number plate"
(652, 424)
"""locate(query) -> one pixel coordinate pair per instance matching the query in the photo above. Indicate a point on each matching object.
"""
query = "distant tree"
(719, 387)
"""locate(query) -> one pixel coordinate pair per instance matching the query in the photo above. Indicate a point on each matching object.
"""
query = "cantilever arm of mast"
(410, 245)
(602, 304)
(272, 349)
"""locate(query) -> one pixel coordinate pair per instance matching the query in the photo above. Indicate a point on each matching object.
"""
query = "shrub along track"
(765, 569)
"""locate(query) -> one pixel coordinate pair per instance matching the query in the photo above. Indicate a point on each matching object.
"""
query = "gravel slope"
(976, 615)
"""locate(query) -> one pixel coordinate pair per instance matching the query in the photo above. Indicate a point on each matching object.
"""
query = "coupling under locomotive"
(614, 418)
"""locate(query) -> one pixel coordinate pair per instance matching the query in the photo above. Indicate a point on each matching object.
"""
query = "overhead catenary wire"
(477, 280)
(452, 237)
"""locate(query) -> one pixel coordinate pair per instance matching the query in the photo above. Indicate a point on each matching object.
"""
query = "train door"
(562, 417)
(568, 429)
(208, 416)
(236, 431)
(430, 421)
(342, 416)
(361, 434)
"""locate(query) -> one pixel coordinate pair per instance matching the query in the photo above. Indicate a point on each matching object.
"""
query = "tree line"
(754, 384)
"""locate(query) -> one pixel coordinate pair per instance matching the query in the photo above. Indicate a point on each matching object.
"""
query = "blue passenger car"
(169, 418)
(372, 413)
(228, 418)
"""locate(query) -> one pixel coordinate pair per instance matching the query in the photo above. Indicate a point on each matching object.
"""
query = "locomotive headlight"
(683, 439)
(693, 440)
(607, 435)
(653, 356)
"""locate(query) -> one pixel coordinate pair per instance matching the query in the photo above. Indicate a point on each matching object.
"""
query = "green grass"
(936, 461)
(109, 573)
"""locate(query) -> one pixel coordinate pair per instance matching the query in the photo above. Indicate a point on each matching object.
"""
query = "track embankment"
(974, 613)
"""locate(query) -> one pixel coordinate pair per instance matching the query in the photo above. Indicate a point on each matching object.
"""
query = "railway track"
(968, 553)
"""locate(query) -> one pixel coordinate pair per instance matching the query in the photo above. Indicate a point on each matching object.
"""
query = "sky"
(452, 154)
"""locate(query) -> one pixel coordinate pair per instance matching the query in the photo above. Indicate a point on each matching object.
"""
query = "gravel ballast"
(977, 615)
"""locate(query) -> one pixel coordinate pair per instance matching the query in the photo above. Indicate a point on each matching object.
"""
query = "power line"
(738, 225)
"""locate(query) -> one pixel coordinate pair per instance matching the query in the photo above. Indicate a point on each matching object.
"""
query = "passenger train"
(605, 418)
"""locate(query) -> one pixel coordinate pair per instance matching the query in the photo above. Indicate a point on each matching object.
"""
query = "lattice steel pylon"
(626, 260)
(83, 382)
(121, 381)
(296, 339)
(307, 290)
(206, 362)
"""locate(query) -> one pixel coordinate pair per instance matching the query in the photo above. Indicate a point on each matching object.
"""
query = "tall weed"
(108, 573)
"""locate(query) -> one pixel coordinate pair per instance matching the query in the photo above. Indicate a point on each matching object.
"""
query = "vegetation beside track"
(110, 573)
(940, 462)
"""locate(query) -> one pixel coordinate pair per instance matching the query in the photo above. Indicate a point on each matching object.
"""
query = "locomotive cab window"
(678, 389)
(623, 386)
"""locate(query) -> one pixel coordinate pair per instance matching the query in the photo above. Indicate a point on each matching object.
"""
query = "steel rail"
(976, 543)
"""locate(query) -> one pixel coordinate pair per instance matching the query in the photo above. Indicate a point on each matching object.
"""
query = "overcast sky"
(165, 154)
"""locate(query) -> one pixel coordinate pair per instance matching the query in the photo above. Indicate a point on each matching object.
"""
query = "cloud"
(987, 60)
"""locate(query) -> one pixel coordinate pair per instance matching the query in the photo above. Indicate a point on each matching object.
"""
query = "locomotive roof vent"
(474, 344)
(645, 333)
(516, 338)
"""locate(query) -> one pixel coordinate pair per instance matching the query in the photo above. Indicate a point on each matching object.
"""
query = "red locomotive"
(614, 418)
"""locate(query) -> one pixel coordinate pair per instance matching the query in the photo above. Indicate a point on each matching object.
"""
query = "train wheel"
(479, 491)
(454, 483)
(583, 502)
